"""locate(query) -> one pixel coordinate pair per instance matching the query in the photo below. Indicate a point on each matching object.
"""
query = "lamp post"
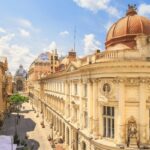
(37, 113)
(43, 120)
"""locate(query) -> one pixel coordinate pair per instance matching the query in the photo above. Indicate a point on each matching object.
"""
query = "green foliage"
(17, 99)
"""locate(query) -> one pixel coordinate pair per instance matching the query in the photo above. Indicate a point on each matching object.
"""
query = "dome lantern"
(132, 10)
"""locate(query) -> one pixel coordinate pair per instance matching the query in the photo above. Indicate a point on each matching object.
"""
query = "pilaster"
(142, 111)
(121, 112)
(90, 105)
(95, 108)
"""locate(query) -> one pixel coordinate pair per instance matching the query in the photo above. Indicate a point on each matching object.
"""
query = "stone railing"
(111, 55)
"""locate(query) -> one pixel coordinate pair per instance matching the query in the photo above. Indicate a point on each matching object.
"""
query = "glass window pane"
(108, 111)
(113, 111)
(109, 128)
(108, 121)
(104, 110)
(104, 125)
(112, 128)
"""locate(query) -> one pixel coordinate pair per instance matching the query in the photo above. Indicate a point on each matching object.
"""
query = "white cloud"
(52, 46)
(2, 30)
(16, 54)
(95, 5)
(24, 33)
(90, 43)
(108, 25)
(64, 33)
(25, 23)
(144, 9)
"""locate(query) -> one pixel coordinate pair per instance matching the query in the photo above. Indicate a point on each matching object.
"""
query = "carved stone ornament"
(132, 138)
(132, 81)
(132, 127)
(106, 88)
(103, 99)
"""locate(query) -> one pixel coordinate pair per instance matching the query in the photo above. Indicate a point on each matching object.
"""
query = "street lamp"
(37, 113)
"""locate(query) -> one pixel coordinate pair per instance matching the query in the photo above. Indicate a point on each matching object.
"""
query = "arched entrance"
(19, 85)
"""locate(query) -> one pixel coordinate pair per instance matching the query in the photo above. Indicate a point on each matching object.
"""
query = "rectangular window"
(108, 121)
(86, 119)
(75, 89)
(85, 90)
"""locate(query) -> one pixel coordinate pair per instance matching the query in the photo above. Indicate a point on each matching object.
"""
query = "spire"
(74, 38)
(132, 10)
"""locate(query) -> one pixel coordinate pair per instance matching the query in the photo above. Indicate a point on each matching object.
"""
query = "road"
(28, 124)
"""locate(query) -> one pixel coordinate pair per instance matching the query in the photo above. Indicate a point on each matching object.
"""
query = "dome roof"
(127, 28)
(21, 72)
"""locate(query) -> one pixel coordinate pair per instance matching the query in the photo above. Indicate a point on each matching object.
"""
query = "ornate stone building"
(43, 65)
(102, 101)
(20, 79)
(5, 86)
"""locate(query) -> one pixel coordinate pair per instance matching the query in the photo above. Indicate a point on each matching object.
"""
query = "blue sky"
(29, 27)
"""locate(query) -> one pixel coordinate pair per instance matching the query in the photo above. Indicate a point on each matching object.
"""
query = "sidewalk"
(28, 124)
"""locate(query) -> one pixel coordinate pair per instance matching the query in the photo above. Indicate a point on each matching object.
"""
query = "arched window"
(83, 146)
(19, 85)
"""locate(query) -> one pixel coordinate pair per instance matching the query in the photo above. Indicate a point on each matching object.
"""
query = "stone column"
(142, 112)
(81, 104)
(121, 113)
(66, 136)
(100, 120)
(95, 108)
(90, 104)
(66, 99)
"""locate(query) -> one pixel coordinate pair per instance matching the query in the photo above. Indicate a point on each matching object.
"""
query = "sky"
(31, 27)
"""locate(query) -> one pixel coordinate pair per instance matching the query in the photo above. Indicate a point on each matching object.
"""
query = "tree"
(16, 100)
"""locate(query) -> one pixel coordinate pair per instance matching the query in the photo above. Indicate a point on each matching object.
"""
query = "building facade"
(5, 87)
(20, 79)
(102, 101)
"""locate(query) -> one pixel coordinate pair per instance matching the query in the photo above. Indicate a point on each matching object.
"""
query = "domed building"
(102, 101)
(20, 79)
(123, 33)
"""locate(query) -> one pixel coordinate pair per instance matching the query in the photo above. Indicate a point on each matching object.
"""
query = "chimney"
(72, 55)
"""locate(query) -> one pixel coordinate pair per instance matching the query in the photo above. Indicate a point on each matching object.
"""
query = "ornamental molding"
(103, 100)
(132, 80)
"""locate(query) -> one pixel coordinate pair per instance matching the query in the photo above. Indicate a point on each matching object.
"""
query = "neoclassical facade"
(5, 87)
(102, 101)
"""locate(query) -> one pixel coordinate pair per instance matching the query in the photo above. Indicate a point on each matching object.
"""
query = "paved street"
(28, 124)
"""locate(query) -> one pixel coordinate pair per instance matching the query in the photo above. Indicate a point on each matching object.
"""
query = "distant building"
(102, 101)
(46, 63)
(20, 79)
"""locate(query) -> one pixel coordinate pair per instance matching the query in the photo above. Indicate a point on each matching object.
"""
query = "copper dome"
(127, 28)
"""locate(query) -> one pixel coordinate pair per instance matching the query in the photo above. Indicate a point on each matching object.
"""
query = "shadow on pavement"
(21, 126)
(33, 144)
(26, 111)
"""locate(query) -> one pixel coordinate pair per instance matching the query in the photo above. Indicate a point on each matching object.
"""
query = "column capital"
(89, 80)
(95, 80)
(80, 80)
